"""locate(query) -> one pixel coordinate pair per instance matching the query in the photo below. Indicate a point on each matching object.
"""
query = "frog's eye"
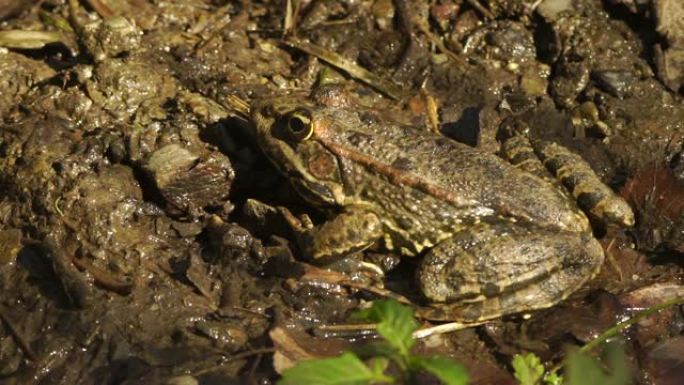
(299, 124)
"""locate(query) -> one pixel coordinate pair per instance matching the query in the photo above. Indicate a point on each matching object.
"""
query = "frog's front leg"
(493, 270)
(352, 230)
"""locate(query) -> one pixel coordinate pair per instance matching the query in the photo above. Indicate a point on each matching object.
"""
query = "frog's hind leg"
(490, 271)
(540, 157)
(579, 178)
(518, 150)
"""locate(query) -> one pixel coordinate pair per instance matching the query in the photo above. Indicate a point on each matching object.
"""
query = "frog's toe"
(497, 271)
(615, 210)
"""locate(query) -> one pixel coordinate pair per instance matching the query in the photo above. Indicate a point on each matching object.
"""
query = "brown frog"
(497, 238)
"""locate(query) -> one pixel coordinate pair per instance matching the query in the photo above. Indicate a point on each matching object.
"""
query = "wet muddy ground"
(140, 240)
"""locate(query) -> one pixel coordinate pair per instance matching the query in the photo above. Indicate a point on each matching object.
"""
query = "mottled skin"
(499, 240)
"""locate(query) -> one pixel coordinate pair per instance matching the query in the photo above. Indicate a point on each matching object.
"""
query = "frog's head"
(287, 130)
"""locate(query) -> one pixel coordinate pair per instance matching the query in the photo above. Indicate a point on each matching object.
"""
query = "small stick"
(235, 357)
(240, 106)
(104, 278)
(345, 330)
(354, 70)
(21, 341)
(484, 11)
(444, 328)
(101, 8)
(440, 45)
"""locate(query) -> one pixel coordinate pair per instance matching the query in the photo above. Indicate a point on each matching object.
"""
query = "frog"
(495, 236)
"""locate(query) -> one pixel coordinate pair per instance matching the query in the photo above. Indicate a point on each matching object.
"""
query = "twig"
(240, 106)
(317, 276)
(75, 20)
(21, 341)
(104, 278)
(354, 70)
(444, 328)
(289, 22)
(613, 262)
(484, 11)
(440, 45)
(345, 330)
(101, 8)
(235, 357)
(214, 25)
(431, 108)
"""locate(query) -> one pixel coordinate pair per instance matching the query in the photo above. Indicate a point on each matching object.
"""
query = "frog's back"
(466, 178)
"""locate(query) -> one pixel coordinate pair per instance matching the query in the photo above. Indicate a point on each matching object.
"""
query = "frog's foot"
(490, 271)
(573, 172)
(297, 224)
(350, 231)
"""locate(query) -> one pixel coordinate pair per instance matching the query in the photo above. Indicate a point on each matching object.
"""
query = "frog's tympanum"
(497, 238)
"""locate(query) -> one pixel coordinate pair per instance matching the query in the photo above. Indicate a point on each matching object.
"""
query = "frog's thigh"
(350, 231)
(490, 271)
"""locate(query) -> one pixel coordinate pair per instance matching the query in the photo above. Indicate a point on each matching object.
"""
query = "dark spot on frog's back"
(490, 289)
(588, 199)
(359, 139)
(368, 118)
(267, 110)
(404, 223)
(443, 144)
(403, 164)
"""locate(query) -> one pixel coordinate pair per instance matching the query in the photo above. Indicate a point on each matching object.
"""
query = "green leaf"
(346, 369)
(446, 370)
(527, 369)
(380, 348)
(584, 370)
(553, 379)
(379, 365)
(617, 359)
(395, 323)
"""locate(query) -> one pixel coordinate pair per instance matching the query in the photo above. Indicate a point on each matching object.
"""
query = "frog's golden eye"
(299, 124)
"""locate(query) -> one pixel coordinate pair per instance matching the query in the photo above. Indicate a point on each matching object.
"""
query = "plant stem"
(627, 323)
(615, 330)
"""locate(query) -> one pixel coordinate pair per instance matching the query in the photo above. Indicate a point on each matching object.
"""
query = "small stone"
(551, 9)
(383, 10)
(190, 181)
(111, 37)
(617, 83)
(532, 84)
(10, 245)
(182, 380)
(670, 66)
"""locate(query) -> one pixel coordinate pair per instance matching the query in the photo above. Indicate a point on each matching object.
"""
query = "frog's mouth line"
(315, 193)
(310, 190)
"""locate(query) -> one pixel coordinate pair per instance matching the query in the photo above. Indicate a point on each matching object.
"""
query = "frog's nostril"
(266, 110)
